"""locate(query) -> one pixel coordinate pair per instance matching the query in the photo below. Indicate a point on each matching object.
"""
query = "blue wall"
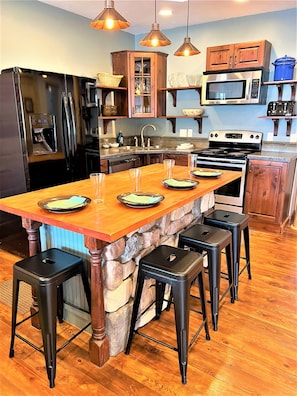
(51, 39)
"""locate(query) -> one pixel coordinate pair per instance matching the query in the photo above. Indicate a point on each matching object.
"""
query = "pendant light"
(109, 19)
(187, 48)
(155, 38)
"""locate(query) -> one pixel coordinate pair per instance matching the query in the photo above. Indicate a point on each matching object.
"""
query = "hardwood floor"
(252, 353)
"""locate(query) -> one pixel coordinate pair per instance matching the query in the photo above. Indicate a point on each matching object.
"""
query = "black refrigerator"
(46, 119)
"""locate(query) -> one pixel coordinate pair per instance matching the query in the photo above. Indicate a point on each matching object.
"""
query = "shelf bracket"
(105, 125)
(173, 123)
(289, 125)
(173, 93)
(199, 121)
(275, 122)
(105, 93)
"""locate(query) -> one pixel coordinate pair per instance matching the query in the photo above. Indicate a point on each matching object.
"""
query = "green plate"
(180, 184)
(140, 199)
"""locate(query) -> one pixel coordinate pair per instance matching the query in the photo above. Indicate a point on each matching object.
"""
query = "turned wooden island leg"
(32, 228)
(99, 343)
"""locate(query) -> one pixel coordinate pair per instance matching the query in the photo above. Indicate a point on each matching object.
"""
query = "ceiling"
(141, 13)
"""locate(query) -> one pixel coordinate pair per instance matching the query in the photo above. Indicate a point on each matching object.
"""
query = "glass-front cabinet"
(145, 73)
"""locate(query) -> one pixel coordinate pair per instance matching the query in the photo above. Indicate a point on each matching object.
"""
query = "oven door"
(232, 194)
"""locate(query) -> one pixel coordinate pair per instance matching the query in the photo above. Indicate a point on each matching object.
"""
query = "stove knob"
(252, 136)
(257, 137)
(211, 135)
(216, 135)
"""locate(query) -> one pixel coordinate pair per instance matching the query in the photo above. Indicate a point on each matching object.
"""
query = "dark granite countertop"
(132, 150)
(273, 156)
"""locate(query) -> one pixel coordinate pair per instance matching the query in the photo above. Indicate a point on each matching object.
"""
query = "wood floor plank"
(253, 353)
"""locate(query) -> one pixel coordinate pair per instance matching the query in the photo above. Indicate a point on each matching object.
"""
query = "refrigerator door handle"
(66, 129)
(73, 124)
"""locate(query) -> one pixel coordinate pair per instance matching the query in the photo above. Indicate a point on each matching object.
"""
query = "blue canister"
(284, 68)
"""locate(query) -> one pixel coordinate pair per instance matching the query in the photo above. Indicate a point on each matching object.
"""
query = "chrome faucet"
(142, 131)
(136, 141)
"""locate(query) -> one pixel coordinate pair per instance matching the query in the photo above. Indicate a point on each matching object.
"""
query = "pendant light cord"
(188, 19)
(155, 11)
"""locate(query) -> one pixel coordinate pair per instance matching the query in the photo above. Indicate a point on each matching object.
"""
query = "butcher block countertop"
(112, 220)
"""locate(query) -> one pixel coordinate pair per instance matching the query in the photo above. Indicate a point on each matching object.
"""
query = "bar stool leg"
(15, 299)
(229, 259)
(214, 275)
(236, 241)
(247, 250)
(47, 301)
(181, 312)
(203, 304)
(160, 291)
(139, 287)
(60, 309)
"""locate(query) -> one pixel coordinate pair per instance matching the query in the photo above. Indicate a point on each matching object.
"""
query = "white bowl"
(114, 145)
(193, 112)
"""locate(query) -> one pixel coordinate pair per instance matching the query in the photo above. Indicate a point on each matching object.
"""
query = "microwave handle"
(234, 64)
(230, 61)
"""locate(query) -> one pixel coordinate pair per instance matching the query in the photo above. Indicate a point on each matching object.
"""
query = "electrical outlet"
(293, 138)
(270, 136)
(183, 133)
(190, 132)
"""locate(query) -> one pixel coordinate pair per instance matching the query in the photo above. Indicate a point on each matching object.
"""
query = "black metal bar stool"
(46, 272)
(213, 240)
(179, 268)
(237, 223)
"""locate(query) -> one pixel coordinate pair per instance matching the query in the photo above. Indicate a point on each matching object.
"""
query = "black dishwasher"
(121, 163)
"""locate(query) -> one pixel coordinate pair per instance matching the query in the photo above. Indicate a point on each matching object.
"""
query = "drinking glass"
(98, 187)
(168, 168)
(135, 179)
(192, 162)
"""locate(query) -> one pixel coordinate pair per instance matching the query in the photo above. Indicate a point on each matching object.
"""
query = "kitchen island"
(116, 237)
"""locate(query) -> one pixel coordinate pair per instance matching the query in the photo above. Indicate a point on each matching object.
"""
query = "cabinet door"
(219, 57)
(142, 89)
(251, 55)
(145, 73)
(238, 56)
(265, 190)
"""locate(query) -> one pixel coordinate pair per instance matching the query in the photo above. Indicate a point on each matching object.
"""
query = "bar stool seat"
(238, 224)
(213, 240)
(46, 272)
(179, 268)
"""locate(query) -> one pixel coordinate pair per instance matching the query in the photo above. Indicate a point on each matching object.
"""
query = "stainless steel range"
(228, 149)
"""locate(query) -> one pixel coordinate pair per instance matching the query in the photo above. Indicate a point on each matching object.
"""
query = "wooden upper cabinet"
(238, 56)
(145, 73)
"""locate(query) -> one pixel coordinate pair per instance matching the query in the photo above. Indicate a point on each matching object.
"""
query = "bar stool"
(46, 272)
(237, 223)
(179, 268)
(213, 240)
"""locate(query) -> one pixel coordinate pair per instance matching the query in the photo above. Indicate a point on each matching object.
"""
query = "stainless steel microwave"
(238, 87)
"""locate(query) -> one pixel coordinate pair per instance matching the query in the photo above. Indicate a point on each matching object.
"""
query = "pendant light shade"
(109, 19)
(155, 38)
(187, 48)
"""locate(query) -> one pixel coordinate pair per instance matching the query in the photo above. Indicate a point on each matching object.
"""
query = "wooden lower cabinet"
(149, 159)
(268, 192)
(180, 159)
(104, 166)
